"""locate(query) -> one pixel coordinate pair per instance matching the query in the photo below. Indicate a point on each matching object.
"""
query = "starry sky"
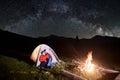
(68, 18)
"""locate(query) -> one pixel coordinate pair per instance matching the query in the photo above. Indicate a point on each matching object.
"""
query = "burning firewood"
(89, 70)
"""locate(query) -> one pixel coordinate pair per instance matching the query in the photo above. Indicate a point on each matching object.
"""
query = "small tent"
(37, 52)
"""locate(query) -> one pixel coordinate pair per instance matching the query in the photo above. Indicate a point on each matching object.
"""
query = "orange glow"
(88, 67)
(89, 70)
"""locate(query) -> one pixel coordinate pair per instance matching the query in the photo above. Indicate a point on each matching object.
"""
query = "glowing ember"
(89, 70)
(88, 63)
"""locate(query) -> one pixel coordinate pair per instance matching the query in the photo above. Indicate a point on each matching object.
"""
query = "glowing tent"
(37, 52)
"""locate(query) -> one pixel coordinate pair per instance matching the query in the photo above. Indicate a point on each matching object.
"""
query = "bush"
(58, 67)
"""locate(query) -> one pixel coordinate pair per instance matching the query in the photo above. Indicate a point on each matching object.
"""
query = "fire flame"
(88, 66)
(88, 69)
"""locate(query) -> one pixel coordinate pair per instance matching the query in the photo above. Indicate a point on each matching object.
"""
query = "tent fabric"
(37, 52)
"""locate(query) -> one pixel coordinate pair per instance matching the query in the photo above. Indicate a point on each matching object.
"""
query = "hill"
(105, 49)
(15, 51)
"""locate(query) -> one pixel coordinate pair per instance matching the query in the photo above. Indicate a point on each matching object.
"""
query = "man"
(43, 59)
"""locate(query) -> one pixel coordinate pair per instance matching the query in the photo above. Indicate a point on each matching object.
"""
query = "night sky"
(68, 18)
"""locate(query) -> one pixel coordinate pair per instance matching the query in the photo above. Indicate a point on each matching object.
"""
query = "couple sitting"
(45, 59)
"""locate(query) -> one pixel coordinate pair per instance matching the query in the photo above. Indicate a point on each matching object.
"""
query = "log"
(98, 67)
(71, 75)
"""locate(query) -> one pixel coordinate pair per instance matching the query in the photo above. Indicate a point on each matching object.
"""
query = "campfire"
(87, 70)
(90, 70)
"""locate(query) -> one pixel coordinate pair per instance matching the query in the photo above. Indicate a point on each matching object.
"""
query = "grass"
(13, 69)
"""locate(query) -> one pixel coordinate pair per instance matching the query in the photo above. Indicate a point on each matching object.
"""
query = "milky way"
(67, 18)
